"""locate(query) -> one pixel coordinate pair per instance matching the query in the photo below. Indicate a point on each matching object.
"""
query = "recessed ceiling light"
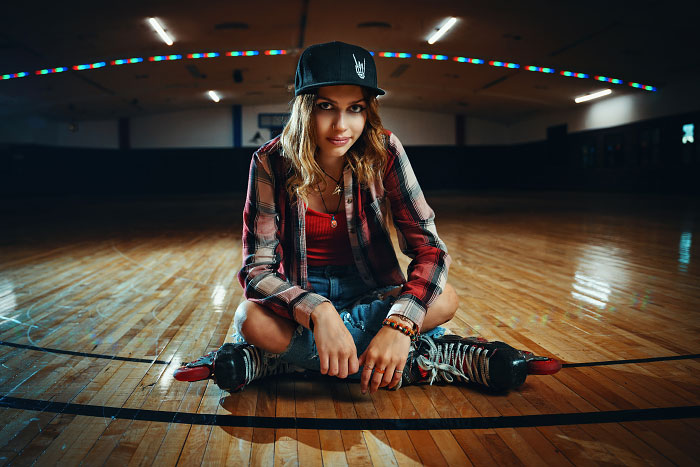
(592, 96)
(214, 96)
(440, 32)
(161, 32)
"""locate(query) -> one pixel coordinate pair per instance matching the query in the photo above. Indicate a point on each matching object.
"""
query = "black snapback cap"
(335, 63)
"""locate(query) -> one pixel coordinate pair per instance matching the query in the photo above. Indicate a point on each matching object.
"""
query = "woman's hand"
(386, 354)
(336, 349)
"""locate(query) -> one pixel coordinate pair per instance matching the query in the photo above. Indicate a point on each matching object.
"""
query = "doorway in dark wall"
(614, 150)
(557, 153)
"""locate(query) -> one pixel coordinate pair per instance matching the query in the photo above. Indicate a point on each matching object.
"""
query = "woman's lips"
(339, 141)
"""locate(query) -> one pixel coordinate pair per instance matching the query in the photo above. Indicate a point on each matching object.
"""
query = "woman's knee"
(247, 314)
(452, 301)
(260, 326)
(445, 307)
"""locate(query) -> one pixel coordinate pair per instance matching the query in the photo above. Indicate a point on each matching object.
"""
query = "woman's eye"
(357, 108)
(324, 105)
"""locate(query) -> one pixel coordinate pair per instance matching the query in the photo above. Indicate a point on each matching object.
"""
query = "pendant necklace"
(334, 223)
(337, 182)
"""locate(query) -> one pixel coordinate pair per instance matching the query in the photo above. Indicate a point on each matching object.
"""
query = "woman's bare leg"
(441, 310)
(269, 331)
(263, 328)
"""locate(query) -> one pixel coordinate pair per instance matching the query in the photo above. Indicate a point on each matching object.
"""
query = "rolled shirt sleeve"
(418, 239)
(261, 277)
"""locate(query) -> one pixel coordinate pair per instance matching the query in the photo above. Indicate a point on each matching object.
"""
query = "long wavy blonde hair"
(367, 157)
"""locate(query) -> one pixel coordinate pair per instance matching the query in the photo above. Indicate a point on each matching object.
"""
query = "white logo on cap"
(359, 67)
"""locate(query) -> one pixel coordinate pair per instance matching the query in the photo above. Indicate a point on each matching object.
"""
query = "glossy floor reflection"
(100, 300)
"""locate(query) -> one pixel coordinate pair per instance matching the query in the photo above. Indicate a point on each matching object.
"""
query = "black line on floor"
(188, 418)
(84, 354)
(161, 362)
(634, 360)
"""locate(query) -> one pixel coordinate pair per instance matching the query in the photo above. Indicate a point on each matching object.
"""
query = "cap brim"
(308, 89)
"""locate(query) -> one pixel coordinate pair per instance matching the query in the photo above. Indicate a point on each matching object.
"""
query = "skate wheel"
(543, 367)
(197, 373)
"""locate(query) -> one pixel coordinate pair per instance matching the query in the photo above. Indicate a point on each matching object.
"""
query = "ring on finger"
(380, 371)
(398, 371)
(368, 368)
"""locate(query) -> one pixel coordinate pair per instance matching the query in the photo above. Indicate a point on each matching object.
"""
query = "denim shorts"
(361, 307)
(343, 286)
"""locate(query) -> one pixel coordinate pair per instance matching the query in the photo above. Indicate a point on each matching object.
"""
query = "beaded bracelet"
(402, 329)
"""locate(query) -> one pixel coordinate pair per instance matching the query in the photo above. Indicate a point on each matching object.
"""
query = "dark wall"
(42, 170)
(641, 157)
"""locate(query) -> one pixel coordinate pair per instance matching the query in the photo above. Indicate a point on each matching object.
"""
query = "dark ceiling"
(651, 42)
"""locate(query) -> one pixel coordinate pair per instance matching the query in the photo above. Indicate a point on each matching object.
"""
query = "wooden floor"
(100, 300)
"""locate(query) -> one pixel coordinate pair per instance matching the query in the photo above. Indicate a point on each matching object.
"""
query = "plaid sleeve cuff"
(302, 308)
(408, 306)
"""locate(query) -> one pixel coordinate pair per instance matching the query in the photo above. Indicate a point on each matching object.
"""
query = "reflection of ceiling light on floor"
(587, 299)
(589, 290)
(8, 302)
(217, 297)
(603, 287)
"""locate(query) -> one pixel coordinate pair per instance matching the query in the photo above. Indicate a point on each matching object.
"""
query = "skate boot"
(493, 365)
(233, 367)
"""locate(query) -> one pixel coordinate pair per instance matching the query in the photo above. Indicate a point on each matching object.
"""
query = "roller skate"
(490, 364)
(233, 367)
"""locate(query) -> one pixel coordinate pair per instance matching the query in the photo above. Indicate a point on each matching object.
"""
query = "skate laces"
(444, 362)
(257, 365)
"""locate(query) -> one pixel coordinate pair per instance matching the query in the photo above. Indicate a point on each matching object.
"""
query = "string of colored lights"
(432, 57)
(204, 55)
(89, 66)
(394, 54)
(273, 52)
(126, 61)
(244, 53)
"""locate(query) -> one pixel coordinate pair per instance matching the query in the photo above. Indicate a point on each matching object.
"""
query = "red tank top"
(326, 245)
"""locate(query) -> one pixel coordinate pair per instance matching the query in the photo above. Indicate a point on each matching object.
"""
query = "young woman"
(323, 285)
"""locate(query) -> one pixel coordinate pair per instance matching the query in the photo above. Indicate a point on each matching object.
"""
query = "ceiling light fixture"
(161, 32)
(440, 32)
(595, 95)
(214, 96)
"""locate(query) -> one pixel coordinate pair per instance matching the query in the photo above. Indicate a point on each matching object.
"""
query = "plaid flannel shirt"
(274, 272)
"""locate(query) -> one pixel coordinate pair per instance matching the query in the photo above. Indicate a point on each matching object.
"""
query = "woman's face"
(340, 113)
